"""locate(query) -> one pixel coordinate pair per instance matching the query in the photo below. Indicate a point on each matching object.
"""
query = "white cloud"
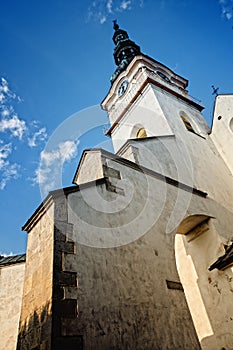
(66, 150)
(109, 6)
(5, 151)
(228, 15)
(11, 171)
(38, 136)
(4, 86)
(2, 97)
(51, 162)
(103, 19)
(125, 5)
(226, 8)
(6, 111)
(10, 121)
(8, 171)
(5, 92)
(101, 10)
(14, 125)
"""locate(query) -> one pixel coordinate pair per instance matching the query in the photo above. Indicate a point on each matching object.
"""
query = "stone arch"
(190, 222)
(197, 245)
(189, 229)
(136, 129)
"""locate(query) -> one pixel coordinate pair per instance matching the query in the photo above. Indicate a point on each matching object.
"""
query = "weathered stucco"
(11, 291)
(35, 319)
(124, 261)
(127, 258)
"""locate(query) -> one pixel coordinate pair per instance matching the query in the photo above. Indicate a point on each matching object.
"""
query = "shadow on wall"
(35, 332)
(42, 332)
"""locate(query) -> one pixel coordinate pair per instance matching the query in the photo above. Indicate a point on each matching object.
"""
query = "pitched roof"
(12, 259)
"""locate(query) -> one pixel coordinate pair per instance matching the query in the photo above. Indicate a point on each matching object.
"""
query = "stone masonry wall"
(36, 321)
(65, 308)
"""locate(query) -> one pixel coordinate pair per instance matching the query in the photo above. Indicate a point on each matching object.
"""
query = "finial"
(115, 25)
(215, 90)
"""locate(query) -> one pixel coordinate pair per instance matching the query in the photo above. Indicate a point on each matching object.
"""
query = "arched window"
(187, 124)
(141, 133)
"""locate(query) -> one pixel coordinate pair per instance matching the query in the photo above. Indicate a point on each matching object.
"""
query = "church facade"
(138, 253)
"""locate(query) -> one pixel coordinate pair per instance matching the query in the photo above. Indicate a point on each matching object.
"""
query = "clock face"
(123, 88)
(163, 76)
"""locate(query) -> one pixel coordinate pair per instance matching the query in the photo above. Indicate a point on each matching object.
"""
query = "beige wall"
(11, 290)
(35, 320)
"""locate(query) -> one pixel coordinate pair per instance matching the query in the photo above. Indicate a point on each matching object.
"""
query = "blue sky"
(56, 61)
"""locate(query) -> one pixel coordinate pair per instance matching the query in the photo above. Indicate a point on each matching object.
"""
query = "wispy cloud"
(226, 8)
(14, 131)
(101, 10)
(8, 171)
(109, 6)
(5, 92)
(51, 162)
(125, 5)
(10, 122)
(37, 137)
(103, 19)
(14, 125)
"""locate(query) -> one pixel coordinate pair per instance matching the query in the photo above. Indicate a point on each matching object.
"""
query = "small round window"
(141, 133)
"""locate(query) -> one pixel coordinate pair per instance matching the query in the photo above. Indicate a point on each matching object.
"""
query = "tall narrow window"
(141, 133)
(187, 124)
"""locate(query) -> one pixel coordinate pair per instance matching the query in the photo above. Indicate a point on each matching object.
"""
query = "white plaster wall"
(222, 130)
(91, 168)
(172, 106)
(187, 157)
(194, 162)
(146, 112)
(11, 291)
(209, 169)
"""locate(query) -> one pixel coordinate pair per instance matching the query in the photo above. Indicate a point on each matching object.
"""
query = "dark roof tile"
(12, 259)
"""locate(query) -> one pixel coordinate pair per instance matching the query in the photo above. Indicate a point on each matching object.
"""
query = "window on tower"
(141, 133)
(187, 124)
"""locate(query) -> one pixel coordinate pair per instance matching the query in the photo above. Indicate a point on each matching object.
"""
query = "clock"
(123, 88)
(163, 76)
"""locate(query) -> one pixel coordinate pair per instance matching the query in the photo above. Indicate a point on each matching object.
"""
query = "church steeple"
(124, 51)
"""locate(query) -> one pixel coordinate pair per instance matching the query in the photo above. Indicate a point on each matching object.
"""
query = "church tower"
(138, 253)
(153, 119)
(143, 92)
